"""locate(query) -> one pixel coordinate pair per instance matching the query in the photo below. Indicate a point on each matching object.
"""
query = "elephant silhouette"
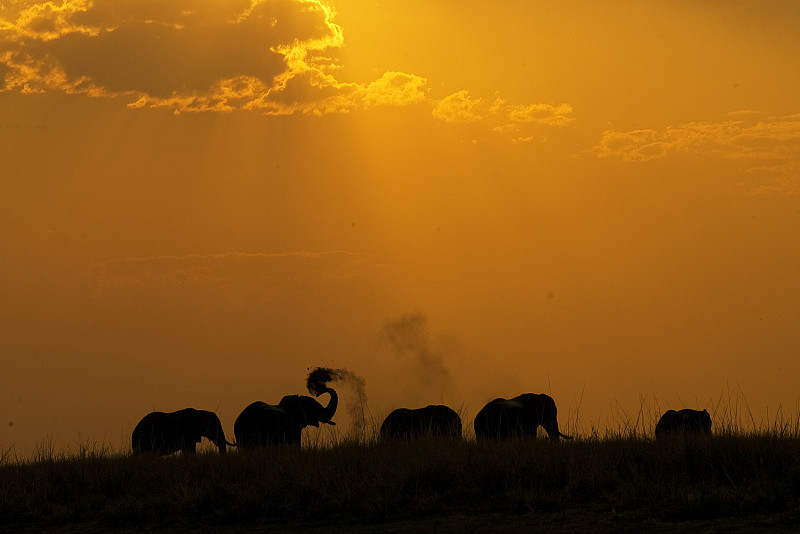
(431, 421)
(163, 433)
(261, 424)
(683, 422)
(517, 417)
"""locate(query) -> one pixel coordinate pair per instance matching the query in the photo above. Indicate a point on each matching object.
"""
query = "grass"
(615, 480)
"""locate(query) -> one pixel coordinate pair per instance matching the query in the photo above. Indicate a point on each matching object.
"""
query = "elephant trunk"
(220, 442)
(223, 444)
(330, 409)
(217, 437)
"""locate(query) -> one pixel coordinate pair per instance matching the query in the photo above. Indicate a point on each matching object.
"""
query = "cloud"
(501, 115)
(395, 88)
(276, 57)
(552, 115)
(765, 147)
(774, 138)
(458, 108)
(191, 55)
(258, 274)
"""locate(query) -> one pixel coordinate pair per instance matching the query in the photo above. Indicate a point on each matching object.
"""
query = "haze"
(454, 201)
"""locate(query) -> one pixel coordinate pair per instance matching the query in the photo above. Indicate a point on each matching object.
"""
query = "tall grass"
(343, 479)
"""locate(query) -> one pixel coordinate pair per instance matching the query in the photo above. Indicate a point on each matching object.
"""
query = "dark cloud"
(178, 52)
(190, 55)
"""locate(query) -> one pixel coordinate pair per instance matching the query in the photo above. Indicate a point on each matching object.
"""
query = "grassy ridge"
(728, 476)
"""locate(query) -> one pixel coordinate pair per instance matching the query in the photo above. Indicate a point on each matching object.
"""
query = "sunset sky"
(456, 201)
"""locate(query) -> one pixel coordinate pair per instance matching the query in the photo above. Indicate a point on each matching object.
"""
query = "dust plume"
(318, 380)
(409, 340)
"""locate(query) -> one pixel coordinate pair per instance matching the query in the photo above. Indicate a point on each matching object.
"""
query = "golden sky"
(454, 200)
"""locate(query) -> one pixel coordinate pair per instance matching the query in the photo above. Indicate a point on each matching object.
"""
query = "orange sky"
(202, 199)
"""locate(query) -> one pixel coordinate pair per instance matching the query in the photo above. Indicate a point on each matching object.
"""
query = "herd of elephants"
(261, 425)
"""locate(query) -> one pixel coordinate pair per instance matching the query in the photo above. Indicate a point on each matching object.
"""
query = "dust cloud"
(410, 342)
(355, 403)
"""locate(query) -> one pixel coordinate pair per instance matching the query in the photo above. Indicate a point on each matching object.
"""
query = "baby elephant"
(430, 421)
(683, 422)
(164, 433)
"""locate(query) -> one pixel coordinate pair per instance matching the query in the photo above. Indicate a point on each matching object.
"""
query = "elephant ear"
(310, 411)
(293, 406)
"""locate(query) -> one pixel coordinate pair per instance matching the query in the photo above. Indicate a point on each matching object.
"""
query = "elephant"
(430, 421)
(683, 422)
(262, 424)
(165, 433)
(518, 417)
